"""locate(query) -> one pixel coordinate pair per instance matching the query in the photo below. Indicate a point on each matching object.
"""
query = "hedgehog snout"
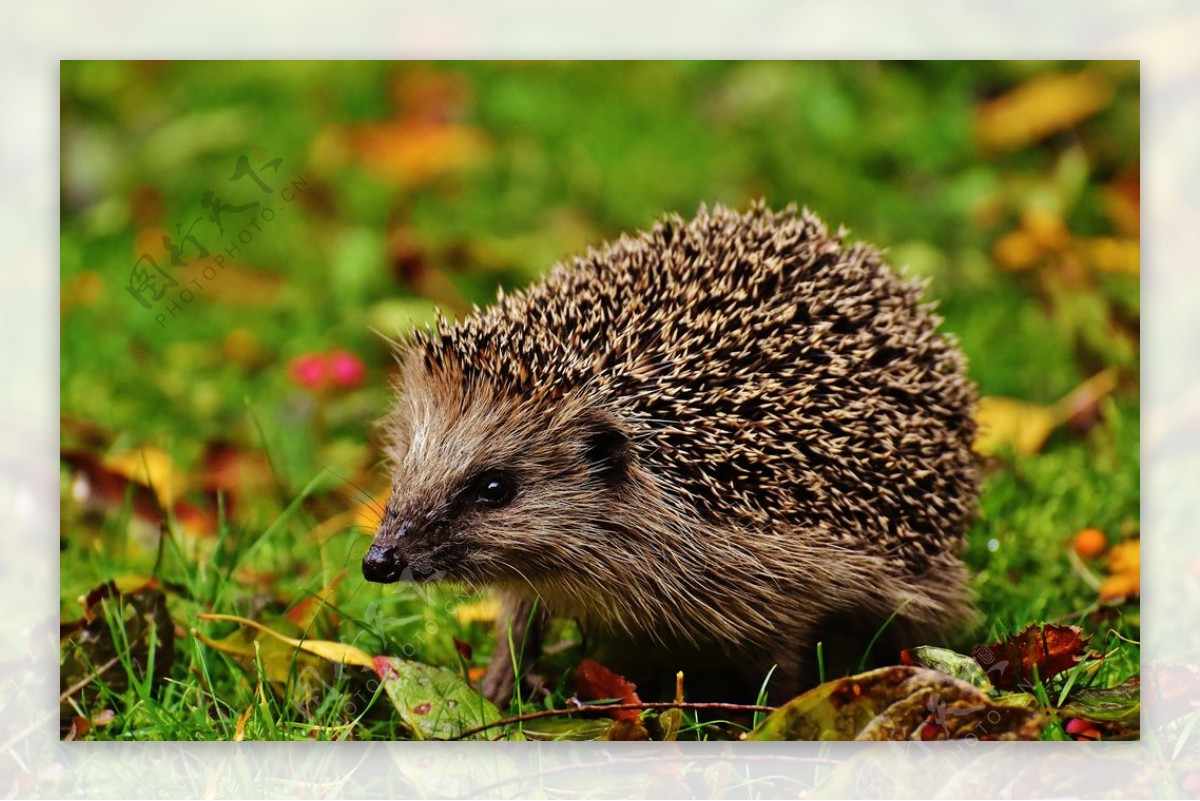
(386, 561)
(383, 564)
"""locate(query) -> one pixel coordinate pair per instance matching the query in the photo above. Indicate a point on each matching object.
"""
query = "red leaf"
(593, 681)
(1052, 649)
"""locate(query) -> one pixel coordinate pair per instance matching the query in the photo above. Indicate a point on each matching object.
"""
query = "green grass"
(572, 153)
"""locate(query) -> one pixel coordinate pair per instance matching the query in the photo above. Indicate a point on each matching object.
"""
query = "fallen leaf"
(78, 728)
(433, 703)
(943, 660)
(99, 488)
(336, 652)
(1050, 649)
(624, 729)
(117, 628)
(595, 682)
(897, 703)
(482, 611)
(1024, 427)
(1005, 422)
(152, 467)
(1040, 107)
(1118, 708)
(416, 152)
(564, 729)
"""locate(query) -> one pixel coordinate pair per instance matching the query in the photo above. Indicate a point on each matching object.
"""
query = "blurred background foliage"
(373, 193)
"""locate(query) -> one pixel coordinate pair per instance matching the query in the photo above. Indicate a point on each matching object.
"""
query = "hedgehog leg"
(519, 629)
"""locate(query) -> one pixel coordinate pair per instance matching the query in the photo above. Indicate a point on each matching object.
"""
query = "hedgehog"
(735, 436)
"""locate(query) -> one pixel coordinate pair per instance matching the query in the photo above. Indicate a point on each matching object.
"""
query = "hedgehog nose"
(383, 564)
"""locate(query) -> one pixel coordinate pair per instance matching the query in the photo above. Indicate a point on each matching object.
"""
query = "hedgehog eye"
(494, 488)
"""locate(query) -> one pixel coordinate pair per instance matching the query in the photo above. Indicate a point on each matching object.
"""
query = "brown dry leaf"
(91, 653)
(897, 703)
(1040, 107)
(416, 152)
(594, 682)
(627, 729)
(98, 487)
(78, 728)
(1050, 649)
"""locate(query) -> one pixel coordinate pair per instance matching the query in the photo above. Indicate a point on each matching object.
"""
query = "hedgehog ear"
(607, 449)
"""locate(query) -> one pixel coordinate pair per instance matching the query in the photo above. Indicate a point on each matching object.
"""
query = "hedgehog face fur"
(732, 430)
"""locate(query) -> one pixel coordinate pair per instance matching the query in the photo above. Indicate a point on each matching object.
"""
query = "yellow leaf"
(1016, 250)
(369, 515)
(1025, 427)
(1112, 255)
(481, 611)
(1006, 422)
(151, 467)
(1041, 107)
(328, 650)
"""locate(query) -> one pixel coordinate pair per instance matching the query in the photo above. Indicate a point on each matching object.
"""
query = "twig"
(575, 710)
(95, 674)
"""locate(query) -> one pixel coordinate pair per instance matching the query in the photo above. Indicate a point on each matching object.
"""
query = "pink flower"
(310, 371)
(346, 369)
(316, 372)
